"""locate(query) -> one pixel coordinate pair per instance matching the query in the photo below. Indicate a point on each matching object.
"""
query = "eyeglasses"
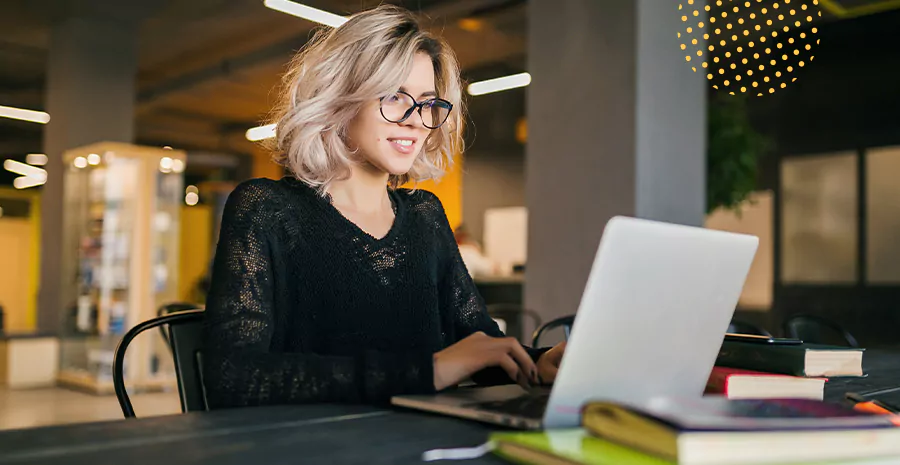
(398, 107)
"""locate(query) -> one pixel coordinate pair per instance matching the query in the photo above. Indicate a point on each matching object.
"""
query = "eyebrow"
(430, 93)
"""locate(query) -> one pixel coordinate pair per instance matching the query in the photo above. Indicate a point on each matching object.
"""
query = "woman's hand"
(479, 351)
(548, 363)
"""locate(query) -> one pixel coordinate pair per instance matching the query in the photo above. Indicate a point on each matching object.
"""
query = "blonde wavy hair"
(337, 72)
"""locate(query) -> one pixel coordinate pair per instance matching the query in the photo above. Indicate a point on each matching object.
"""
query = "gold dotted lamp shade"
(749, 46)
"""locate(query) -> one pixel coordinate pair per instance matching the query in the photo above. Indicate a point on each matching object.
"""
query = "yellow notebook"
(566, 447)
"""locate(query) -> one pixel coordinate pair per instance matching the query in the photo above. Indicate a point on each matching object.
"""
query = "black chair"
(742, 327)
(170, 308)
(818, 330)
(185, 341)
(565, 322)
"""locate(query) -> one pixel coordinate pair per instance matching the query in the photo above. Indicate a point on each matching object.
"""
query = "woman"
(333, 284)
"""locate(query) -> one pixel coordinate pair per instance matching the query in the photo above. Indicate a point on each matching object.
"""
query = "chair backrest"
(818, 330)
(185, 341)
(170, 308)
(512, 315)
(743, 327)
(565, 322)
(185, 338)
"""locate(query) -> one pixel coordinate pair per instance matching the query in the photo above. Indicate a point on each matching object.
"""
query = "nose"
(415, 120)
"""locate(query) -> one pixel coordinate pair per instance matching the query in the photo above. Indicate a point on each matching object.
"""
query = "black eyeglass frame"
(416, 105)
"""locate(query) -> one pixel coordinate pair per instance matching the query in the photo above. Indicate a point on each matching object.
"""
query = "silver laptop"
(654, 313)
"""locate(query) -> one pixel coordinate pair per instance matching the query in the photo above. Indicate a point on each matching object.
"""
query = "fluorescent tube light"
(499, 84)
(261, 132)
(36, 159)
(24, 182)
(24, 115)
(306, 12)
(29, 171)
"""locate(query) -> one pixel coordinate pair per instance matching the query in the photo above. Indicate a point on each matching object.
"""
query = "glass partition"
(883, 215)
(819, 219)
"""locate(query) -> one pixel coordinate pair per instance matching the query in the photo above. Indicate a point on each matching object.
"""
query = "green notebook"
(566, 447)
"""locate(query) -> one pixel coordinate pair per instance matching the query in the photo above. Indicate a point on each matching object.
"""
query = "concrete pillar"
(90, 96)
(617, 126)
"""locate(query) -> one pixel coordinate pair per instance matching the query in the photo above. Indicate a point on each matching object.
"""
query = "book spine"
(717, 383)
(763, 357)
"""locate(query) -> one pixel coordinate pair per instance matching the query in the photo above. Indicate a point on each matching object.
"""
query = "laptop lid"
(655, 309)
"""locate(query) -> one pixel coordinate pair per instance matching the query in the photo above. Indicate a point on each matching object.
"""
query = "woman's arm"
(460, 297)
(241, 362)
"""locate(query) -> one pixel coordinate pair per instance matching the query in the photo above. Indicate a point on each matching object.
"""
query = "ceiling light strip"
(24, 115)
(499, 84)
(306, 12)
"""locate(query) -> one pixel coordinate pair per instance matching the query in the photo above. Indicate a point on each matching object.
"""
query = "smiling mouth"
(403, 145)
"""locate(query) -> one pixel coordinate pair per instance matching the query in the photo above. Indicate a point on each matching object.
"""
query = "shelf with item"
(122, 222)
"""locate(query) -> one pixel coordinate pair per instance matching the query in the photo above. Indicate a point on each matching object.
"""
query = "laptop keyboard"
(529, 406)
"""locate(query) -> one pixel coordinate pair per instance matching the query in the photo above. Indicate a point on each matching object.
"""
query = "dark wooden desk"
(330, 434)
(883, 370)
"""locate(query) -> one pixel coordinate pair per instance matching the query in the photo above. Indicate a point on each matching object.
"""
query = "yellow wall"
(449, 190)
(15, 247)
(20, 248)
(196, 234)
(34, 268)
(263, 166)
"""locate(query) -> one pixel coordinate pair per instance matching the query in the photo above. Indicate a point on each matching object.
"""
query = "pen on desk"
(890, 407)
(880, 391)
(873, 406)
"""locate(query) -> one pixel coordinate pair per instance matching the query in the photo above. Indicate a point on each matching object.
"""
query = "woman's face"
(393, 147)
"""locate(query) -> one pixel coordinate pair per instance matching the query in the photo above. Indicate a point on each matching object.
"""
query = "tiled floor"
(53, 406)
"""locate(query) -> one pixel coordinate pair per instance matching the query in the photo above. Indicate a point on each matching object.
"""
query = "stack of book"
(712, 431)
(763, 406)
(759, 368)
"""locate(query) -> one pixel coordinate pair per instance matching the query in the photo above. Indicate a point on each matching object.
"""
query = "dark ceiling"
(207, 68)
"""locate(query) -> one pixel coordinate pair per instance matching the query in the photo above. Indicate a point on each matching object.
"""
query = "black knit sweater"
(304, 306)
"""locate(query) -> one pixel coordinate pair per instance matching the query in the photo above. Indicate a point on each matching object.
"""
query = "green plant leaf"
(734, 150)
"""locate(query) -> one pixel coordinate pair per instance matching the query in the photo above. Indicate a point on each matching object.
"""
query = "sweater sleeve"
(243, 363)
(461, 299)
